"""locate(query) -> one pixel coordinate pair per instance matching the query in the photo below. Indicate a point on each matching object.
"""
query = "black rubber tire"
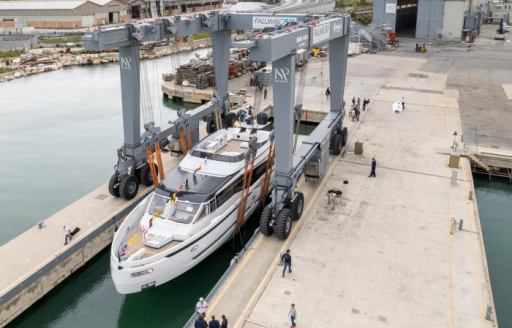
(283, 223)
(344, 136)
(128, 186)
(210, 124)
(262, 118)
(113, 185)
(265, 220)
(336, 144)
(145, 175)
(297, 206)
(229, 120)
(240, 113)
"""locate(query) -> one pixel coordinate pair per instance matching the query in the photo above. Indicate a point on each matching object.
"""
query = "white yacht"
(191, 214)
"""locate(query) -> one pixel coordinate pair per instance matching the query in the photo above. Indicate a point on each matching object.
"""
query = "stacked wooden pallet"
(198, 74)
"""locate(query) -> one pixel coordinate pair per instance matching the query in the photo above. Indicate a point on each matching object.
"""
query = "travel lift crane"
(279, 48)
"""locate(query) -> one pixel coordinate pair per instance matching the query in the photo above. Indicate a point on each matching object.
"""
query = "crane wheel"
(297, 206)
(229, 120)
(113, 185)
(265, 221)
(336, 144)
(344, 136)
(145, 174)
(262, 118)
(210, 124)
(283, 223)
(128, 186)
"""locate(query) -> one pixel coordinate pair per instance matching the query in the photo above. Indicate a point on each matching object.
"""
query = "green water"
(495, 206)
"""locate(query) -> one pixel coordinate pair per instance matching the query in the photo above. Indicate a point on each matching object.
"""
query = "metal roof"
(40, 5)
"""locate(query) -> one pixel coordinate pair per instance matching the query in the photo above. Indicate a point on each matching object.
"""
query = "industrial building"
(499, 10)
(430, 19)
(61, 14)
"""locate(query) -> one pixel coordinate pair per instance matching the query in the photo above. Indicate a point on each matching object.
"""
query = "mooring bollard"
(332, 194)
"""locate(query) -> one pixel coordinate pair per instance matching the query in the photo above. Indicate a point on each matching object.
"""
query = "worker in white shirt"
(454, 140)
(201, 307)
(67, 234)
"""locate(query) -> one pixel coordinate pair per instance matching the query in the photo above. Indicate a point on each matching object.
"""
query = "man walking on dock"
(293, 314)
(287, 262)
(327, 93)
(67, 234)
(374, 166)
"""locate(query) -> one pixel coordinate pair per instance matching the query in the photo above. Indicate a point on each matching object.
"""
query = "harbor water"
(494, 204)
(58, 137)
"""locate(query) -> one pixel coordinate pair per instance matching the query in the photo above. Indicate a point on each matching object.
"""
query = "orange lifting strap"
(182, 143)
(151, 164)
(189, 138)
(159, 161)
(246, 186)
(268, 170)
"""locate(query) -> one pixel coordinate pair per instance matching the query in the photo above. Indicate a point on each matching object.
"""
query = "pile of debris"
(200, 74)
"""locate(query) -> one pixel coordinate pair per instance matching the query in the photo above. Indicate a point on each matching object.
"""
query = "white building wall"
(453, 19)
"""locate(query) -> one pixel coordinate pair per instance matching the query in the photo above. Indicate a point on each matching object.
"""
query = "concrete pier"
(384, 255)
(38, 260)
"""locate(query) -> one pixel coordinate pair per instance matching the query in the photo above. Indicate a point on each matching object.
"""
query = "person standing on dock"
(327, 93)
(200, 322)
(265, 93)
(293, 314)
(353, 101)
(214, 323)
(454, 140)
(403, 103)
(453, 226)
(374, 166)
(67, 234)
(224, 323)
(201, 307)
(287, 262)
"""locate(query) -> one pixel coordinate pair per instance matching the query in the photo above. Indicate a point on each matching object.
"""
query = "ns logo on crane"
(125, 62)
(281, 75)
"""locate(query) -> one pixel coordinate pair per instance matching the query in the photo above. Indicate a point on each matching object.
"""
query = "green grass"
(61, 39)
(201, 36)
(355, 4)
(5, 70)
(10, 53)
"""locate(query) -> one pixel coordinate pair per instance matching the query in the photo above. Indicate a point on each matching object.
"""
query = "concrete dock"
(38, 260)
(384, 255)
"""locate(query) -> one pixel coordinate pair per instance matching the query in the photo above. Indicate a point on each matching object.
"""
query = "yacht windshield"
(184, 212)
(157, 203)
(180, 211)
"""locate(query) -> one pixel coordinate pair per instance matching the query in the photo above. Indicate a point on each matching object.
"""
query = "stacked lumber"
(199, 74)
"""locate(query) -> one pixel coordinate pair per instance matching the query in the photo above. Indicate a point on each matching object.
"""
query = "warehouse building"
(430, 19)
(61, 14)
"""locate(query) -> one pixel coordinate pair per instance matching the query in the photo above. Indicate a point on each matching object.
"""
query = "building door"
(88, 21)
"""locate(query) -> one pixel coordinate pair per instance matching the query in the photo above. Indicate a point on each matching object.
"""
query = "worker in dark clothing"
(374, 166)
(353, 101)
(327, 93)
(224, 323)
(200, 323)
(287, 261)
(214, 323)
(265, 93)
